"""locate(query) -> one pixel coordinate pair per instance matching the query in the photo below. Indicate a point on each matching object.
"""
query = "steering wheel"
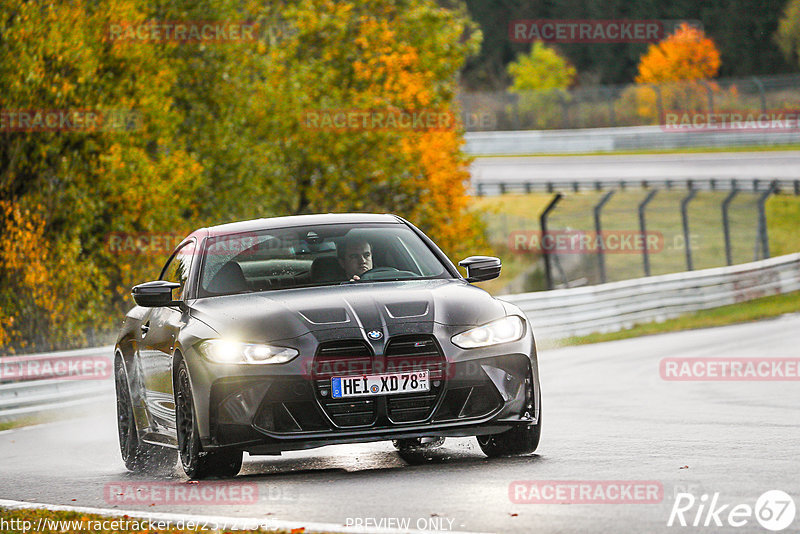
(376, 272)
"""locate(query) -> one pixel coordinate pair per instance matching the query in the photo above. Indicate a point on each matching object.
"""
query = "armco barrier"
(553, 314)
(28, 396)
(755, 185)
(524, 142)
(609, 307)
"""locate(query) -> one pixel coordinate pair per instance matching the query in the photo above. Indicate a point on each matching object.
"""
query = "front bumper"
(473, 392)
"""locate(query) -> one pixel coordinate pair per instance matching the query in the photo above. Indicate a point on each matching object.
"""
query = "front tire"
(417, 444)
(138, 456)
(522, 439)
(196, 462)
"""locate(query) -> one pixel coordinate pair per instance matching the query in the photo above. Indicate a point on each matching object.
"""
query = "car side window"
(178, 267)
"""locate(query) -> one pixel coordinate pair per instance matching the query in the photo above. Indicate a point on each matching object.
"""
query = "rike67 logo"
(774, 510)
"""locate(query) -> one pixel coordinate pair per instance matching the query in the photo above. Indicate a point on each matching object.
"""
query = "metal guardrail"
(756, 185)
(525, 142)
(554, 314)
(610, 307)
(37, 384)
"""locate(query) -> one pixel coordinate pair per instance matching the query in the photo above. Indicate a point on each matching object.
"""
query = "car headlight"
(225, 351)
(503, 330)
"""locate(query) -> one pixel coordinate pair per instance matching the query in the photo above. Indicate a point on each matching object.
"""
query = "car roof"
(297, 220)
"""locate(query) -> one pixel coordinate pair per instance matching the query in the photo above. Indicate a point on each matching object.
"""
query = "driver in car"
(355, 258)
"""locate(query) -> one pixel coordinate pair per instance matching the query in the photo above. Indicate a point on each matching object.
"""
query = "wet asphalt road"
(608, 416)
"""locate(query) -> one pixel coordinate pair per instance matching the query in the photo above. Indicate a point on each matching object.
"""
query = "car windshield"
(309, 256)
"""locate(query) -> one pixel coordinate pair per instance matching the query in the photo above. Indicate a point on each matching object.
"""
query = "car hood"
(285, 314)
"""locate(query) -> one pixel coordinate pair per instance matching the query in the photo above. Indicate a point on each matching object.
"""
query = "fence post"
(762, 220)
(685, 217)
(643, 229)
(612, 113)
(761, 93)
(659, 102)
(564, 109)
(548, 270)
(514, 101)
(601, 258)
(726, 229)
(710, 95)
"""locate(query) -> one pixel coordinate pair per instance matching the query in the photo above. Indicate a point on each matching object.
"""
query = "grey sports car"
(291, 333)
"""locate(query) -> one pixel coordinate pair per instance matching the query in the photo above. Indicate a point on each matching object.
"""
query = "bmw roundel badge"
(375, 334)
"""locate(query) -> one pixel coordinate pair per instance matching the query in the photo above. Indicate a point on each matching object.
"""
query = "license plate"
(359, 386)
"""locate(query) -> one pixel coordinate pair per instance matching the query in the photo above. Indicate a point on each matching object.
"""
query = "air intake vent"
(343, 358)
(417, 352)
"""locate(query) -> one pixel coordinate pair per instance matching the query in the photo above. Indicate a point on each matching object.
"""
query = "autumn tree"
(788, 34)
(64, 190)
(381, 56)
(540, 79)
(218, 135)
(678, 67)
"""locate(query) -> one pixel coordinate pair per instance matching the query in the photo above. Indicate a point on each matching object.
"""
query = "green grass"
(510, 212)
(38, 419)
(688, 150)
(27, 421)
(754, 310)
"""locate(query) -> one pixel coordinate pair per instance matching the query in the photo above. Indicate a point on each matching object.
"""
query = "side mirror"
(154, 294)
(480, 268)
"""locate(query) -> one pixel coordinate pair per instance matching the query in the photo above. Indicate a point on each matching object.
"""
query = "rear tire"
(196, 462)
(138, 456)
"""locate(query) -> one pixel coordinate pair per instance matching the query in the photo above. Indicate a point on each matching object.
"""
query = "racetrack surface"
(608, 415)
(717, 165)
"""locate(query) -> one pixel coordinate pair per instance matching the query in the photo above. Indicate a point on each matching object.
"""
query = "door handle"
(145, 328)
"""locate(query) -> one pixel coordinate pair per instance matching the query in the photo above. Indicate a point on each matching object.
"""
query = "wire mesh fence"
(626, 105)
(592, 237)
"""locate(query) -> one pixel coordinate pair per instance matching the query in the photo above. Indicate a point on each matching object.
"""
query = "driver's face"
(357, 259)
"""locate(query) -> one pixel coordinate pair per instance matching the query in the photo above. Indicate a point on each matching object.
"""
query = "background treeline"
(744, 31)
(218, 137)
(218, 133)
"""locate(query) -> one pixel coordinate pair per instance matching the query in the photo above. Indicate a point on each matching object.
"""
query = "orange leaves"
(443, 190)
(389, 68)
(675, 70)
(685, 55)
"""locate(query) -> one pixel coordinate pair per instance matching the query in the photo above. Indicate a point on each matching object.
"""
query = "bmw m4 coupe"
(297, 332)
